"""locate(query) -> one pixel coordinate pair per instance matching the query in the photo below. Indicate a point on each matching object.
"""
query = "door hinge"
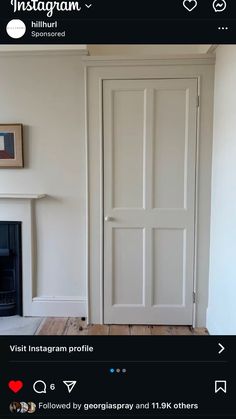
(198, 101)
(194, 297)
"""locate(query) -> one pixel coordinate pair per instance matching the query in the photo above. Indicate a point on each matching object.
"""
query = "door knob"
(107, 219)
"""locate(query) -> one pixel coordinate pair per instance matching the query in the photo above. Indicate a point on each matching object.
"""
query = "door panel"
(149, 200)
(127, 149)
(169, 251)
(170, 147)
(127, 269)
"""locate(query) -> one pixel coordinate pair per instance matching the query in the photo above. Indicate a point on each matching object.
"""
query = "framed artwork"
(11, 145)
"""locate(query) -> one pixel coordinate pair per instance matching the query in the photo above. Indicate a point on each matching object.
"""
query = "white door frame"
(99, 69)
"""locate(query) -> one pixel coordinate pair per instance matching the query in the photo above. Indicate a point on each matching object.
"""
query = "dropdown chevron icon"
(70, 385)
(88, 5)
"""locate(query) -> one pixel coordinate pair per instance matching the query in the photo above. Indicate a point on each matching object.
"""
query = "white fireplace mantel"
(22, 196)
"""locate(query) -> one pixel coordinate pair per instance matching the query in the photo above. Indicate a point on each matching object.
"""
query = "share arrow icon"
(70, 385)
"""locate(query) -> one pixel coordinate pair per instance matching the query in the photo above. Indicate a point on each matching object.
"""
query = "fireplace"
(10, 269)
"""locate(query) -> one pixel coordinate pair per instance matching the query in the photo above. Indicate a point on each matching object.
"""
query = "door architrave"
(98, 69)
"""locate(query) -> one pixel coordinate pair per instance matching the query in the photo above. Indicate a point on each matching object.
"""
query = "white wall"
(222, 292)
(46, 94)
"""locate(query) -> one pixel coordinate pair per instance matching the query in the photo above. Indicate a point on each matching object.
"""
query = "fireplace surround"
(20, 208)
(10, 269)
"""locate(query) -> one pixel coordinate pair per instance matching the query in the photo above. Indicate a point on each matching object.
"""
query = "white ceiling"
(113, 49)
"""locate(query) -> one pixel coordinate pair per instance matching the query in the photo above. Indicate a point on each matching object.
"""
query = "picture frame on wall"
(11, 145)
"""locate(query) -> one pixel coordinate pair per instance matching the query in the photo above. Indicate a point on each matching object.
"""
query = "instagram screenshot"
(117, 208)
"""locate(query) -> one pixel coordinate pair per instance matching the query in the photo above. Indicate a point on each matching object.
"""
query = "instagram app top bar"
(106, 21)
(123, 9)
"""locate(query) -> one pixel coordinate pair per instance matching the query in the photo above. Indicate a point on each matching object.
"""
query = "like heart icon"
(190, 5)
(15, 386)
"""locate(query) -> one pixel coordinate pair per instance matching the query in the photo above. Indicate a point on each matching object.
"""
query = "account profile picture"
(31, 407)
(15, 407)
(16, 28)
(24, 407)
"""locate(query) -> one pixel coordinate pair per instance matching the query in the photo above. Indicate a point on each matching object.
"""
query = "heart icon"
(190, 5)
(15, 386)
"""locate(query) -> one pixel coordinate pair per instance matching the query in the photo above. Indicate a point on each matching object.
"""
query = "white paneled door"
(150, 130)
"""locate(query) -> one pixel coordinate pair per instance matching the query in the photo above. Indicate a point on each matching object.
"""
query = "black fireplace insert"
(10, 269)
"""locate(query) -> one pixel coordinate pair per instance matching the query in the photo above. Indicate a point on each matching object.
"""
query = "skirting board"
(58, 307)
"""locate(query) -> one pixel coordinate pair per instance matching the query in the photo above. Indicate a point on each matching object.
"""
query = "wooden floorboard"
(98, 330)
(181, 331)
(200, 331)
(140, 330)
(119, 330)
(74, 326)
(161, 330)
(53, 326)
